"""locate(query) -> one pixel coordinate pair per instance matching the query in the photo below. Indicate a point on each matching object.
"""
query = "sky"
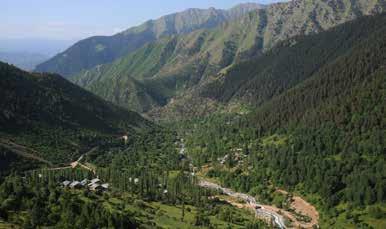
(77, 19)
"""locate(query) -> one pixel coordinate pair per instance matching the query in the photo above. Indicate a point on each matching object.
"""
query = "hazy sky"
(75, 19)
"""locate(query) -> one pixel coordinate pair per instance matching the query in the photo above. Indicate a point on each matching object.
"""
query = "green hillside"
(289, 63)
(268, 116)
(98, 50)
(173, 67)
(323, 137)
(47, 122)
(48, 113)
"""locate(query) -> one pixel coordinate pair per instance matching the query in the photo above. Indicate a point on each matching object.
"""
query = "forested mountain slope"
(50, 99)
(173, 66)
(336, 125)
(258, 80)
(324, 137)
(291, 62)
(104, 49)
(49, 112)
(46, 123)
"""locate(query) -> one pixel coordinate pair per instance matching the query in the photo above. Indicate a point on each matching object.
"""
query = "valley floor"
(269, 213)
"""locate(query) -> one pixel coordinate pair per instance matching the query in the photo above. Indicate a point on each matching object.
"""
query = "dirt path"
(32, 154)
(59, 168)
(23, 151)
(88, 168)
(77, 163)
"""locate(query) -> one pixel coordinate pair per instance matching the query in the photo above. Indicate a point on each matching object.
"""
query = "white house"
(66, 183)
(75, 184)
(94, 181)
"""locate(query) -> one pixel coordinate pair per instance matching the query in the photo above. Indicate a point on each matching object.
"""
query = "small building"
(125, 138)
(105, 186)
(66, 183)
(94, 181)
(95, 187)
(84, 182)
(75, 184)
(99, 188)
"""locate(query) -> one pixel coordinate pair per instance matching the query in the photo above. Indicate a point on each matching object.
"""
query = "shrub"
(376, 212)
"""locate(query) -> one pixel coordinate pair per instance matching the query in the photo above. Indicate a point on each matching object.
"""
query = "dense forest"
(147, 185)
(56, 120)
(304, 119)
(324, 137)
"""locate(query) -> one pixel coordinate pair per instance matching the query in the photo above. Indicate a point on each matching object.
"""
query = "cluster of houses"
(93, 185)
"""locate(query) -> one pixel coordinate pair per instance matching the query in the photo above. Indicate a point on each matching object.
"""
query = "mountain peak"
(88, 53)
(248, 5)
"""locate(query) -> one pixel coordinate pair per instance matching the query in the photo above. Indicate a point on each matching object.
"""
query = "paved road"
(251, 201)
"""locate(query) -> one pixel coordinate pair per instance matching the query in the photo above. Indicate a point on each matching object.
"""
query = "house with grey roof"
(84, 182)
(95, 181)
(105, 186)
(66, 183)
(75, 184)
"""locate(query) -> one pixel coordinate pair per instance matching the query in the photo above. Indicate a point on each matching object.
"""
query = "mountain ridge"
(175, 65)
(255, 82)
(103, 49)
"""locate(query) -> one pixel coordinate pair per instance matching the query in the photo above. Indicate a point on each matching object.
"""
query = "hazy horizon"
(75, 20)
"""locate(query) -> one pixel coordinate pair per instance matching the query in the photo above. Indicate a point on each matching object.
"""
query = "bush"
(376, 212)
(9, 204)
(201, 219)
(255, 225)
(140, 203)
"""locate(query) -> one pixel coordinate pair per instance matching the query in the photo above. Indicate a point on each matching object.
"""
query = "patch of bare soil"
(302, 207)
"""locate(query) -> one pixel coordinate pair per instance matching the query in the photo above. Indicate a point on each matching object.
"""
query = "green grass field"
(170, 216)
